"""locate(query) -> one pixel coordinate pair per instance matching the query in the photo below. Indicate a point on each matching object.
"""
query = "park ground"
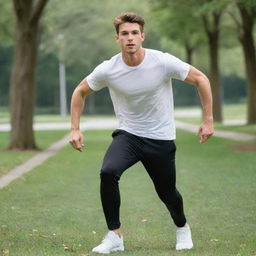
(55, 209)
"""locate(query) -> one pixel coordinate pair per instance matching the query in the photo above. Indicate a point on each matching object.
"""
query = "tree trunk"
(189, 52)
(247, 41)
(214, 77)
(22, 90)
(22, 93)
(212, 32)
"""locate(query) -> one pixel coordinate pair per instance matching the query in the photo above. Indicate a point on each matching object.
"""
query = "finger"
(204, 138)
(82, 140)
(80, 149)
(75, 144)
(72, 143)
(199, 131)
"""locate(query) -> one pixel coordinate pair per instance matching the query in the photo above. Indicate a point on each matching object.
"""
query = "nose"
(130, 37)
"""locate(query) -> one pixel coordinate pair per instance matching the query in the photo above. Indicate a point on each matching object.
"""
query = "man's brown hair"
(128, 17)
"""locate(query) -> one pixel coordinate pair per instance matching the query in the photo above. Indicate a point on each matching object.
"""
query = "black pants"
(158, 158)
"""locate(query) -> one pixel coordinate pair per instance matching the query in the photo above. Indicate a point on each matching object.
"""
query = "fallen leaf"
(34, 230)
(43, 236)
(214, 240)
(242, 245)
(144, 220)
(5, 252)
(66, 248)
(94, 232)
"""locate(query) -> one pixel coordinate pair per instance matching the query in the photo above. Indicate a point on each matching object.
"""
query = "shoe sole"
(185, 248)
(121, 248)
(116, 249)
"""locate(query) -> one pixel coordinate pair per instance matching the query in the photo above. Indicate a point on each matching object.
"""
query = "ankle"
(117, 231)
(185, 226)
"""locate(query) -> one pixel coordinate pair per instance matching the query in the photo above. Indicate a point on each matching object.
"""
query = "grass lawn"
(230, 112)
(218, 126)
(10, 159)
(55, 209)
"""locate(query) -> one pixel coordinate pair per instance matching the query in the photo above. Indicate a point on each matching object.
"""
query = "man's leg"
(159, 161)
(121, 154)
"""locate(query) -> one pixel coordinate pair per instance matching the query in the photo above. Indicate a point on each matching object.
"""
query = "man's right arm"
(77, 106)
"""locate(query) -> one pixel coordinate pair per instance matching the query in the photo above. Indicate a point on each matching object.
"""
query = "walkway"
(91, 123)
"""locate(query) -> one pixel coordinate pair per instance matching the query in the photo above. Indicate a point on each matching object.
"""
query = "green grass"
(10, 159)
(218, 126)
(4, 119)
(58, 118)
(237, 128)
(234, 112)
(230, 112)
(58, 203)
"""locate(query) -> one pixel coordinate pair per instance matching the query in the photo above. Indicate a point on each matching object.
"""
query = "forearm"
(77, 106)
(204, 90)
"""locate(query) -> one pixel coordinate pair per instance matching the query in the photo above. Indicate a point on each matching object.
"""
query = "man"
(139, 83)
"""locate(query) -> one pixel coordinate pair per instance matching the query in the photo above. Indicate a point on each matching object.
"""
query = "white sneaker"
(183, 238)
(111, 243)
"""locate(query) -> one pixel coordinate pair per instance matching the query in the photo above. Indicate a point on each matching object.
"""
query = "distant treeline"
(47, 86)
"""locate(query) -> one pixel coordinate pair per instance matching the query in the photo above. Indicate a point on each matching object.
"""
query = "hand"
(206, 130)
(77, 140)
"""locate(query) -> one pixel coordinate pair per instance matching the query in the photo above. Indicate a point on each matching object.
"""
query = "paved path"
(33, 162)
(238, 136)
(93, 123)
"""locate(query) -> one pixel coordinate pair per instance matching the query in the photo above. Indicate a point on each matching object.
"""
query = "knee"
(109, 173)
(171, 198)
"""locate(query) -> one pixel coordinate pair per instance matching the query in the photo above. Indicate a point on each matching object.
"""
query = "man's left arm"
(202, 83)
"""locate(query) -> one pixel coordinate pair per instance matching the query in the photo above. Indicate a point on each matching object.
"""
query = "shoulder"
(107, 65)
(155, 53)
(163, 57)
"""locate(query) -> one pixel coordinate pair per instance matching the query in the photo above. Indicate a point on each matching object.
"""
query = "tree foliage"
(177, 21)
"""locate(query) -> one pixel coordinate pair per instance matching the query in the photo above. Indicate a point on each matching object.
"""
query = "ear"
(117, 38)
(143, 36)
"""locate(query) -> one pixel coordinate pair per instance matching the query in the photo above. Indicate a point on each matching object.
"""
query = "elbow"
(78, 93)
(202, 79)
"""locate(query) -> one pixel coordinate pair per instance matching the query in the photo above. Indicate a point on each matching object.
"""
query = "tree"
(22, 93)
(176, 22)
(185, 18)
(87, 36)
(211, 20)
(6, 23)
(245, 25)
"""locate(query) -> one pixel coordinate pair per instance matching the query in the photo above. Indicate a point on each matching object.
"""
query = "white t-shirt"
(142, 95)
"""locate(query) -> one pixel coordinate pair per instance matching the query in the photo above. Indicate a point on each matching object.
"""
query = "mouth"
(130, 45)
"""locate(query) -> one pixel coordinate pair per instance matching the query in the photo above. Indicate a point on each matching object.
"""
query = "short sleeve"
(97, 79)
(175, 67)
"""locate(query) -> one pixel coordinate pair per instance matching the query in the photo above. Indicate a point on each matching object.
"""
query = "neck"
(134, 59)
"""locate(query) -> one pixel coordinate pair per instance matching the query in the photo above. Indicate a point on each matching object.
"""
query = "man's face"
(129, 37)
